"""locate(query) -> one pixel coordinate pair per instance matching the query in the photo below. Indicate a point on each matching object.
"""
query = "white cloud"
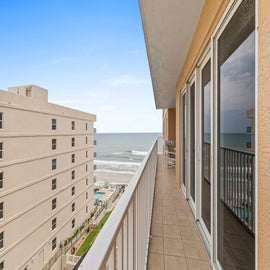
(133, 51)
(127, 80)
(98, 94)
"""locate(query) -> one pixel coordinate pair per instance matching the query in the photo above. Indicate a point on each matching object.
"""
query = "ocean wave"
(116, 166)
(138, 153)
(112, 171)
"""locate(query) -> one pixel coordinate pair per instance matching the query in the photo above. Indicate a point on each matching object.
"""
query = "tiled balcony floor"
(175, 242)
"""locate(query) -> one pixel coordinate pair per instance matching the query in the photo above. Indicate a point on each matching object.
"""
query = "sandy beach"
(113, 178)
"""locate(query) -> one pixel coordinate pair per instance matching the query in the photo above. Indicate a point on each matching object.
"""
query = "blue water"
(232, 140)
(98, 195)
(123, 152)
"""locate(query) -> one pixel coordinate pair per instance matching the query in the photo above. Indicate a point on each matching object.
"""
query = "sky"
(89, 54)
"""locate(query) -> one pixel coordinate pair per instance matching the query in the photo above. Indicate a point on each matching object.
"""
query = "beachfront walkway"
(175, 242)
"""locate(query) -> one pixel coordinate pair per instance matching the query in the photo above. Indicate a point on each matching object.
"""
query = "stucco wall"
(211, 13)
(263, 147)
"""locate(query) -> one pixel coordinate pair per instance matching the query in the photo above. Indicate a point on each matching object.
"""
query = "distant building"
(46, 175)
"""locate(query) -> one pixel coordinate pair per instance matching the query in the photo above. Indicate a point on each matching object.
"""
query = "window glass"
(236, 148)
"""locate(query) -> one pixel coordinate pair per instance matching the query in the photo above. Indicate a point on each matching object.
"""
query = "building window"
(73, 125)
(1, 179)
(86, 126)
(86, 195)
(54, 184)
(73, 223)
(72, 191)
(73, 174)
(53, 144)
(1, 240)
(72, 142)
(1, 120)
(86, 209)
(86, 181)
(1, 150)
(86, 140)
(72, 158)
(86, 154)
(54, 164)
(86, 167)
(53, 124)
(53, 224)
(2, 265)
(53, 203)
(1, 210)
(54, 243)
(73, 207)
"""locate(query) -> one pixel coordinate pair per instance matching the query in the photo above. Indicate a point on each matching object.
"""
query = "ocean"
(123, 153)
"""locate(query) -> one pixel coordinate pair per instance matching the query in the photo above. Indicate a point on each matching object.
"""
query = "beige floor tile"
(194, 249)
(157, 218)
(169, 210)
(157, 229)
(170, 220)
(186, 221)
(189, 233)
(174, 247)
(198, 264)
(156, 244)
(174, 263)
(155, 261)
(171, 231)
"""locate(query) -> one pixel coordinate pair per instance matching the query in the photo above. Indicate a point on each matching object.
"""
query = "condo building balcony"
(153, 226)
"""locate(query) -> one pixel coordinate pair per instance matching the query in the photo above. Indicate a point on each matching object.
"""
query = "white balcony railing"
(123, 241)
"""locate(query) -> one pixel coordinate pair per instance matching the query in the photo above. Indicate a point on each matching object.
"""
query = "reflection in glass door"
(236, 149)
(206, 147)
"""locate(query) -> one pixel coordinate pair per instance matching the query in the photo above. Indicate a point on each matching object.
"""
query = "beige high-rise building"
(46, 175)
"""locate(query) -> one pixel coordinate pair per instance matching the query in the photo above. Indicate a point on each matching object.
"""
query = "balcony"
(152, 208)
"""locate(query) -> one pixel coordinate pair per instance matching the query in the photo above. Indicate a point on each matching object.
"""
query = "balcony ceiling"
(168, 26)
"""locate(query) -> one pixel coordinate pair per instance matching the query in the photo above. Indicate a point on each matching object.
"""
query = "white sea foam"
(138, 153)
(117, 166)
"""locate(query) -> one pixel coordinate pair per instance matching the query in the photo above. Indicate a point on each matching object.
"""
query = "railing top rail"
(239, 150)
(104, 241)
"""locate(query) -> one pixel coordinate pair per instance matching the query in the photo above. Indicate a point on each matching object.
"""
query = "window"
(1, 120)
(73, 174)
(73, 223)
(1, 179)
(54, 184)
(1, 240)
(86, 140)
(28, 92)
(53, 223)
(73, 207)
(86, 209)
(1, 150)
(54, 243)
(53, 203)
(2, 265)
(72, 191)
(72, 142)
(86, 167)
(54, 164)
(73, 125)
(53, 124)
(86, 195)
(53, 144)
(1, 210)
(86, 126)
(86, 181)
(72, 158)
(86, 154)
(236, 79)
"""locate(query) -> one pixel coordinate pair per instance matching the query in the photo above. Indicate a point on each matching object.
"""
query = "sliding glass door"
(235, 146)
